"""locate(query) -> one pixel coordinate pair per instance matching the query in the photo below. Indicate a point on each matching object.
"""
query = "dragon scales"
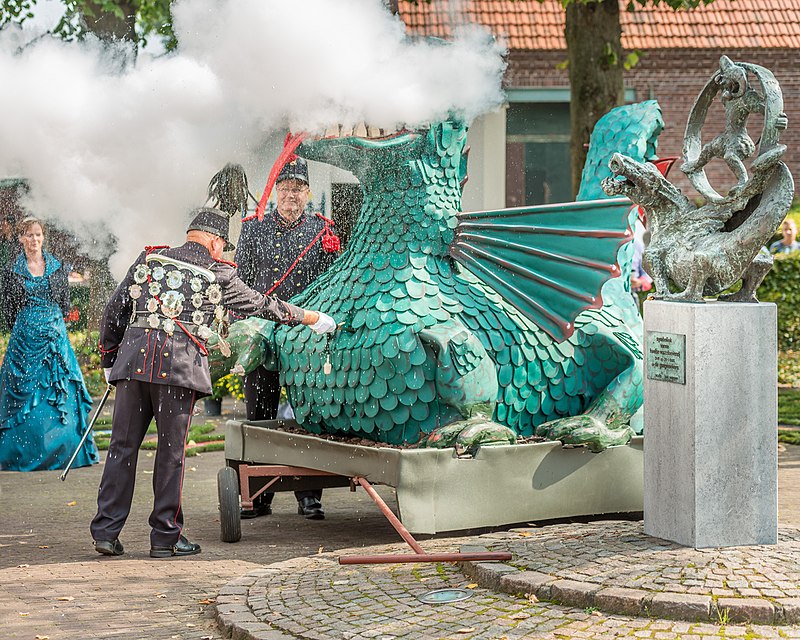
(443, 312)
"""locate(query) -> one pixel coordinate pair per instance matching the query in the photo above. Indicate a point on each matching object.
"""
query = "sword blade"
(64, 473)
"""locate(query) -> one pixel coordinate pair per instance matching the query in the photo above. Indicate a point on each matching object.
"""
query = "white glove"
(325, 324)
(107, 373)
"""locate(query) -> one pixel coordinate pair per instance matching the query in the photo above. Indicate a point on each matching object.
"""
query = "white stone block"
(710, 445)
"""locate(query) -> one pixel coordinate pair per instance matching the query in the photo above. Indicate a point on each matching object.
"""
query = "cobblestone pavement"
(319, 599)
(615, 567)
(53, 585)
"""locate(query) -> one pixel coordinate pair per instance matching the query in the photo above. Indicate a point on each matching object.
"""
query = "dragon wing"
(549, 261)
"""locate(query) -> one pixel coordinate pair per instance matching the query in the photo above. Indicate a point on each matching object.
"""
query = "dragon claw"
(585, 430)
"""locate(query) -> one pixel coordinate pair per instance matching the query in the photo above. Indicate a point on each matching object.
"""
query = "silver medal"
(141, 273)
(172, 303)
(214, 293)
(153, 320)
(158, 273)
(154, 288)
(135, 291)
(175, 279)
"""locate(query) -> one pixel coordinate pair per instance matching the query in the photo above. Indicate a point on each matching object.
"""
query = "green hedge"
(782, 286)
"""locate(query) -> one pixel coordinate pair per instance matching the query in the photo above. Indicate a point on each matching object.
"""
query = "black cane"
(64, 473)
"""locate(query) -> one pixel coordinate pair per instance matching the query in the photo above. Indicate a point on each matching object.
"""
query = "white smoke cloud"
(133, 150)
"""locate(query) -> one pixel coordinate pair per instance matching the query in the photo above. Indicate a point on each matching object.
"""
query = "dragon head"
(368, 152)
(630, 178)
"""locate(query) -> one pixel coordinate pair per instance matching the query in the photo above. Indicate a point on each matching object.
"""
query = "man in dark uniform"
(153, 343)
(282, 254)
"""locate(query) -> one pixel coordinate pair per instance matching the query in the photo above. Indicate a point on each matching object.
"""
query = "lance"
(64, 473)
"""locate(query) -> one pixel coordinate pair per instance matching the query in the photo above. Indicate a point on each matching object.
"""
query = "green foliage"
(789, 407)
(789, 437)
(153, 17)
(632, 59)
(782, 286)
(610, 57)
(789, 369)
(79, 303)
(201, 438)
(85, 346)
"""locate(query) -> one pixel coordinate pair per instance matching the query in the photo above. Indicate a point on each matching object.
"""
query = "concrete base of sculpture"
(437, 491)
(711, 461)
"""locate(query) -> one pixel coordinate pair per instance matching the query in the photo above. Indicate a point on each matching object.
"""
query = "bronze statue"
(704, 250)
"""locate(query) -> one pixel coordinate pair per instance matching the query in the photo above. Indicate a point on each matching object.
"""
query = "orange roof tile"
(528, 24)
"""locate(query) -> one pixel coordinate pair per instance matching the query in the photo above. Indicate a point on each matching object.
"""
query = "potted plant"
(230, 385)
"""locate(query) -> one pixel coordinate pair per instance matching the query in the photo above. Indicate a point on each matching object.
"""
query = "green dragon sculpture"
(443, 312)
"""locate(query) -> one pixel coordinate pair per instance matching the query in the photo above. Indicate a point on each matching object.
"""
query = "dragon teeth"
(361, 130)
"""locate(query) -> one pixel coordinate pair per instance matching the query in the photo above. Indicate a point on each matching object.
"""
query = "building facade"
(520, 154)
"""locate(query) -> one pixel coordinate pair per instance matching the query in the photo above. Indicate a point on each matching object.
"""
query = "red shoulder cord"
(286, 155)
(294, 264)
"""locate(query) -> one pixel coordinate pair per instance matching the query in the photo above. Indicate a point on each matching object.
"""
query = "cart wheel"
(230, 518)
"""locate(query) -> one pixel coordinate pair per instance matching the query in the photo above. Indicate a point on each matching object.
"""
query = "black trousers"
(262, 392)
(135, 405)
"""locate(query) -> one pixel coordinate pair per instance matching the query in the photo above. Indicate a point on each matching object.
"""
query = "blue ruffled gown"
(44, 404)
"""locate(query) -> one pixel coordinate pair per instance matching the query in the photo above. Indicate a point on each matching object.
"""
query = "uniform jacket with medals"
(155, 327)
(267, 249)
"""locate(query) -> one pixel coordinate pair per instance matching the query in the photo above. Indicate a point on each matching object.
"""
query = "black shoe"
(182, 548)
(260, 510)
(109, 547)
(311, 508)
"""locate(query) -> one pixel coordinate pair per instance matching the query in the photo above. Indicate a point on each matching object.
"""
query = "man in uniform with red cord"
(282, 254)
(153, 340)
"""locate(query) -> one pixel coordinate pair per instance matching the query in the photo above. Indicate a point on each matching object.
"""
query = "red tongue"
(287, 155)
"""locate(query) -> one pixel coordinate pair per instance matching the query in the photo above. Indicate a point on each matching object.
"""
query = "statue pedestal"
(710, 423)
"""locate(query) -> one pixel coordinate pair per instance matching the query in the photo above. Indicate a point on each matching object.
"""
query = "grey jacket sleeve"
(115, 317)
(244, 301)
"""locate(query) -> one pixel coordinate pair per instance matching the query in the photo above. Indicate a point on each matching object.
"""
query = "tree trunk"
(594, 51)
(108, 26)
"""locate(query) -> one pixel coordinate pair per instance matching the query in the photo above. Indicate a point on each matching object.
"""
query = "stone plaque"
(666, 357)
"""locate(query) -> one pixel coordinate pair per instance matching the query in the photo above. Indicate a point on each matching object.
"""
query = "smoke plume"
(115, 147)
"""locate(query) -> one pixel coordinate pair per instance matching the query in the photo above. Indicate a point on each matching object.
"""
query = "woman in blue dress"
(44, 404)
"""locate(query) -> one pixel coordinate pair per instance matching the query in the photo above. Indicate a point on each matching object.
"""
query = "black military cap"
(297, 169)
(212, 221)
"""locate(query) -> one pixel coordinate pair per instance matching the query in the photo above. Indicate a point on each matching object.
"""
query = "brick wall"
(675, 77)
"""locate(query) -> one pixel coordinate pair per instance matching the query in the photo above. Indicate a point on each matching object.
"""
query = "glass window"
(537, 153)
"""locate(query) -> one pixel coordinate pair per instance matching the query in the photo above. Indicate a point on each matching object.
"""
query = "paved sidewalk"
(284, 572)
(319, 599)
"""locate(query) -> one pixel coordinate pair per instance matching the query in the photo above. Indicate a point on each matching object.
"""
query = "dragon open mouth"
(361, 130)
(617, 184)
